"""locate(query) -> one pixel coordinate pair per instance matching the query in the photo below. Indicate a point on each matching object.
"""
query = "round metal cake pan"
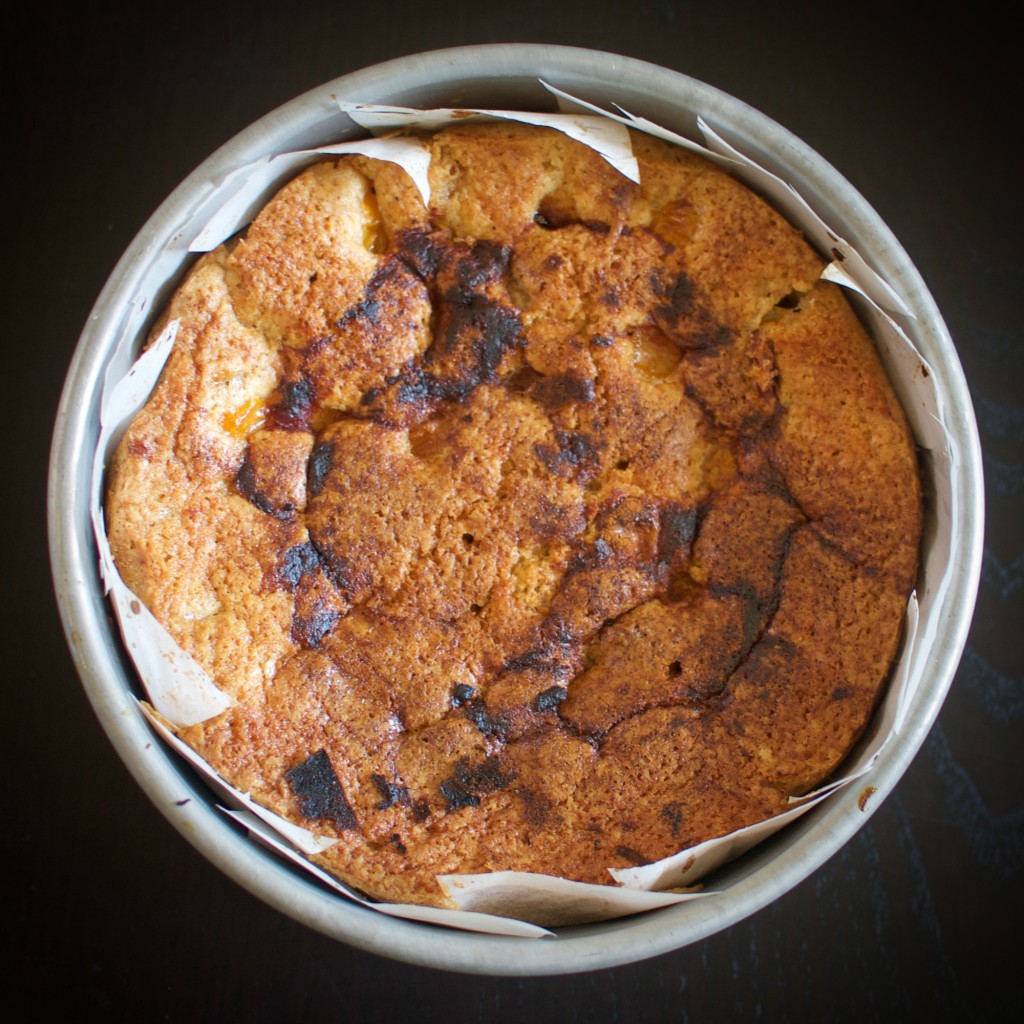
(495, 76)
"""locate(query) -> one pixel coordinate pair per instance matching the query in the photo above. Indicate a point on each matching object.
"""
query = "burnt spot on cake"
(248, 486)
(415, 387)
(318, 608)
(474, 330)
(602, 341)
(391, 277)
(573, 453)
(535, 658)
(678, 527)
(391, 793)
(684, 319)
(471, 329)
(396, 841)
(523, 379)
(420, 252)
(470, 782)
(456, 795)
(296, 401)
(713, 682)
(421, 810)
(367, 308)
(319, 466)
(480, 330)
(319, 793)
(592, 557)
(461, 694)
(338, 567)
(558, 391)
(490, 725)
(485, 777)
(635, 858)
(468, 348)
(486, 261)
(296, 562)
(679, 297)
(673, 814)
(309, 630)
(550, 698)
(841, 693)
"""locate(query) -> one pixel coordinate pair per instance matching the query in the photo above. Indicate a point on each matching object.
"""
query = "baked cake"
(557, 527)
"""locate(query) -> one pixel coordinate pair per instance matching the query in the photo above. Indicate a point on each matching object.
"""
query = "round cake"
(556, 527)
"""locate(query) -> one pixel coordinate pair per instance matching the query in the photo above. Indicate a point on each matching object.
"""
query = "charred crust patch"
(292, 412)
(591, 558)
(563, 389)
(248, 487)
(673, 814)
(485, 327)
(550, 698)
(493, 726)
(296, 562)
(683, 319)
(456, 795)
(628, 853)
(419, 251)
(485, 262)
(679, 297)
(535, 658)
(465, 787)
(319, 793)
(319, 466)
(572, 452)
(338, 567)
(391, 793)
(472, 334)
(310, 628)
(678, 528)
(461, 694)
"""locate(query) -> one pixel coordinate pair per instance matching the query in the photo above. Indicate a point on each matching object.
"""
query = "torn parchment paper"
(183, 694)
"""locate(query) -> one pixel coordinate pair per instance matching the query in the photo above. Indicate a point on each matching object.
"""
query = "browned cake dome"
(558, 527)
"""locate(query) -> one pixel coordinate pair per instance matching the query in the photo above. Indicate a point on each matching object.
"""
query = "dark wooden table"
(111, 911)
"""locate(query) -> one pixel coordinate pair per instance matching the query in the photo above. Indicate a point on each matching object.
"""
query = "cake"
(557, 527)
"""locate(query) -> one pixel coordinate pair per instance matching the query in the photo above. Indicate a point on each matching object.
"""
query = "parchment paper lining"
(183, 694)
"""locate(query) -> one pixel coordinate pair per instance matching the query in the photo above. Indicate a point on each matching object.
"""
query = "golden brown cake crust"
(556, 528)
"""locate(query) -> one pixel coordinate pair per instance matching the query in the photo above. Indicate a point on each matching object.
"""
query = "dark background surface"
(109, 909)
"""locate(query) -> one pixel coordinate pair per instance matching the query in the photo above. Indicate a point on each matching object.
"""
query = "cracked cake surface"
(557, 527)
